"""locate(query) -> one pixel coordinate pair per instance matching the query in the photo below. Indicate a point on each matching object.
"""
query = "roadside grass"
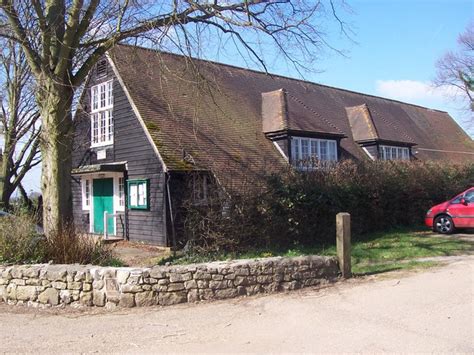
(375, 253)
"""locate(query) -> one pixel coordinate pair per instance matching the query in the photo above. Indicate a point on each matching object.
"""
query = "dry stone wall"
(47, 285)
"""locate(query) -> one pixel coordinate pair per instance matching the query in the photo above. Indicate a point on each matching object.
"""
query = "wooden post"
(343, 241)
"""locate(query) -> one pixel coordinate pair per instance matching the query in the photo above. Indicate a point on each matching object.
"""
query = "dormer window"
(102, 123)
(307, 152)
(388, 152)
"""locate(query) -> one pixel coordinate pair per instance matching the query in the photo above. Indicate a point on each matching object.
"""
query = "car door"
(469, 208)
(463, 214)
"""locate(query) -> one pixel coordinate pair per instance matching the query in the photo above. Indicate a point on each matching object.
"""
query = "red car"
(455, 213)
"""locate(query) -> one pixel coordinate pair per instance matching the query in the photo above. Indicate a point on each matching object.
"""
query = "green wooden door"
(103, 198)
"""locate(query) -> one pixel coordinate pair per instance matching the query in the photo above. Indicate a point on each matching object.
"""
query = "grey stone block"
(147, 298)
(98, 298)
(127, 300)
(49, 296)
(169, 298)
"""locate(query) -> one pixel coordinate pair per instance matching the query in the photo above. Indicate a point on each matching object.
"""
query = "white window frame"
(102, 122)
(315, 149)
(121, 193)
(138, 194)
(391, 152)
(86, 187)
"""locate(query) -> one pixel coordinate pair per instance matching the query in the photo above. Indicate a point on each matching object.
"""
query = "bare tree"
(63, 39)
(19, 122)
(456, 69)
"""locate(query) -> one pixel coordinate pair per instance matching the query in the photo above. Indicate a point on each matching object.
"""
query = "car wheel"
(443, 224)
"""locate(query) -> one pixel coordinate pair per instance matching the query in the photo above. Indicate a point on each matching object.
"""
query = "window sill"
(136, 208)
(102, 145)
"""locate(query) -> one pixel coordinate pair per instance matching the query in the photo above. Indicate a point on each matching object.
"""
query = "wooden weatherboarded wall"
(131, 146)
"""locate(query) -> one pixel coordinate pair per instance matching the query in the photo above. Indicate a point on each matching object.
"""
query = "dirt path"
(139, 255)
(429, 311)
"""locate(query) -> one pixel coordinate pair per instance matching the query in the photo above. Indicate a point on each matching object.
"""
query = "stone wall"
(78, 285)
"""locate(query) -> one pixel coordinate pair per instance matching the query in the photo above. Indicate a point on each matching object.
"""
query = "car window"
(469, 197)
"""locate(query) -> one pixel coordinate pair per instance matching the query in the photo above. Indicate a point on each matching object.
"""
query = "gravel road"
(428, 311)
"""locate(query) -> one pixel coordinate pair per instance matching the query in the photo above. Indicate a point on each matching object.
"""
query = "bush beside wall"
(299, 207)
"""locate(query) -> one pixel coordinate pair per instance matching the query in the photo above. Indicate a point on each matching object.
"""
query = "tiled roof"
(204, 115)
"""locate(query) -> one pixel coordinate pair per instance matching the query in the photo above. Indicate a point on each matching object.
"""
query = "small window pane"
(314, 149)
(332, 151)
(304, 149)
(295, 148)
(95, 98)
(102, 95)
(103, 123)
(88, 193)
(110, 97)
(133, 195)
(323, 145)
(110, 126)
(121, 192)
(95, 128)
(406, 154)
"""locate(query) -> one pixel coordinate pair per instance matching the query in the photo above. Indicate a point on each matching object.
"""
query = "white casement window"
(307, 152)
(86, 185)
(388, 152)
(102, 122)
(121, 192)
(138, 196)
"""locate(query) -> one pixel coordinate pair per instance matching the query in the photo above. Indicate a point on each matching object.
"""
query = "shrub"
(66, 246)
(19, 239)
(299, 208)
(20, 242)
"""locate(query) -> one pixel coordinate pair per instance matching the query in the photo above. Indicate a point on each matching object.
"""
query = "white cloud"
(413, 91)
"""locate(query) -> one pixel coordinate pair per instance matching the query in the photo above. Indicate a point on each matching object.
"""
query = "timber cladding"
(132, 147)
(59, 285)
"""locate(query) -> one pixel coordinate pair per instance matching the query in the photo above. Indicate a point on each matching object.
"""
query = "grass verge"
(398, 249)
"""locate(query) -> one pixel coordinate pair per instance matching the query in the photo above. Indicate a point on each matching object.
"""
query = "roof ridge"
(280, 76)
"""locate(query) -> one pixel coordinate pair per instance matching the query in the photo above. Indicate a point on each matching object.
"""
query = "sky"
(392, 52)
(398, 44)
(395, 48)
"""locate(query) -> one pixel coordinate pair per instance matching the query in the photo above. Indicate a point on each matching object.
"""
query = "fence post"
(343, 242)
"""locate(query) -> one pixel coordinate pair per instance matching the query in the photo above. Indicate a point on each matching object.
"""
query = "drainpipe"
(170, 206)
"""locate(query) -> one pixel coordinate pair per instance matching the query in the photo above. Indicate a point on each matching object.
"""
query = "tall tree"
(74, 34)
(19, 121)
(456, 68)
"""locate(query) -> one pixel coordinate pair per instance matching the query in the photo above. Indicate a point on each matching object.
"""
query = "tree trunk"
(5, 186)
(55, 101)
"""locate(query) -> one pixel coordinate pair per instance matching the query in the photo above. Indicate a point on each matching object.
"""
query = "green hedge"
(296, 207)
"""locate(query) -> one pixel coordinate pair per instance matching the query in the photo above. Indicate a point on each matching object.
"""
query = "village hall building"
(152, 127)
